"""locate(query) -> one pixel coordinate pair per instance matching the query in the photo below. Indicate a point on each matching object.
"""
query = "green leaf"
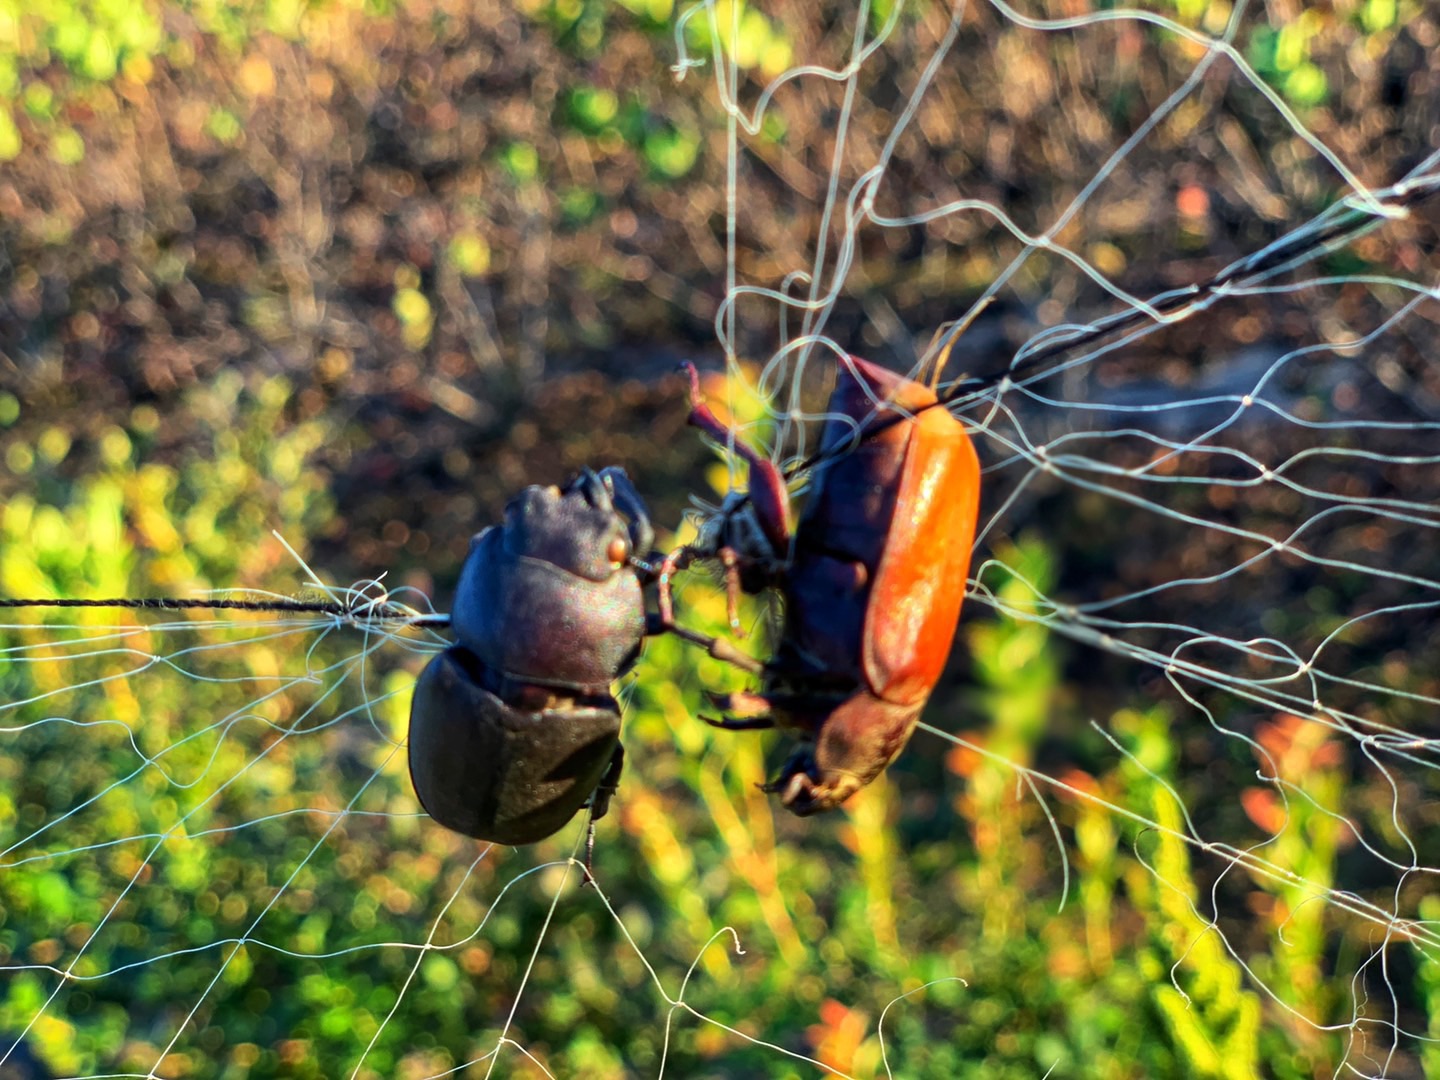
(223, 126)
(469, 253)
(1306, 85)
(100, 61)
(410, 306)
(591, 109)
(67, 147)
(672, 152)
(39, 100)
(521, 161)
(1379, 15)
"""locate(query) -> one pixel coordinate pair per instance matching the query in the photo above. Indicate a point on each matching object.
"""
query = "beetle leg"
(719, 648)
(673, 563)
(797, 780)
(735, 723)
(599, 804)
(744, 704)
(609, 784)
(681, 559)
(795, 793)
(730, 560)
(664, 622)
(744, 711)
(768, 494)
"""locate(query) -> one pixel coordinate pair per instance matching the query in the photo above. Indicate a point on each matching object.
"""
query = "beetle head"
(577, 529)
(550, 597)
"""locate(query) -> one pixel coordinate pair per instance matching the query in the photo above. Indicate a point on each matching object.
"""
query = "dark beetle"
(514, 728)
(872, 578)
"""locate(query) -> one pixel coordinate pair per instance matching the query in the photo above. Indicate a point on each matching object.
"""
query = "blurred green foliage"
(213, 843)
(742, 31)
(1282, 56)
(249, 789)
(1283, 51)
(92, 41)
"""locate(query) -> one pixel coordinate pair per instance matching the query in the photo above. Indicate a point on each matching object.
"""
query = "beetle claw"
(798, 796)
(747, 705)
(795, 793)
(599, 804)
(732, 723)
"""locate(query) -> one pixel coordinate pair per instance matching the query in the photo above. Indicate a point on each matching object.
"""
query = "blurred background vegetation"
(357, 272)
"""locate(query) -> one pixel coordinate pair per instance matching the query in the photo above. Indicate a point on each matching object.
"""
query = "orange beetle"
(873, 582)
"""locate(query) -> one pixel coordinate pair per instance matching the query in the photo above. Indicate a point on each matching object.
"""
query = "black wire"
(312, 607)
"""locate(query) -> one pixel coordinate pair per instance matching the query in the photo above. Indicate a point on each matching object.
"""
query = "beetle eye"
(618, 551)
